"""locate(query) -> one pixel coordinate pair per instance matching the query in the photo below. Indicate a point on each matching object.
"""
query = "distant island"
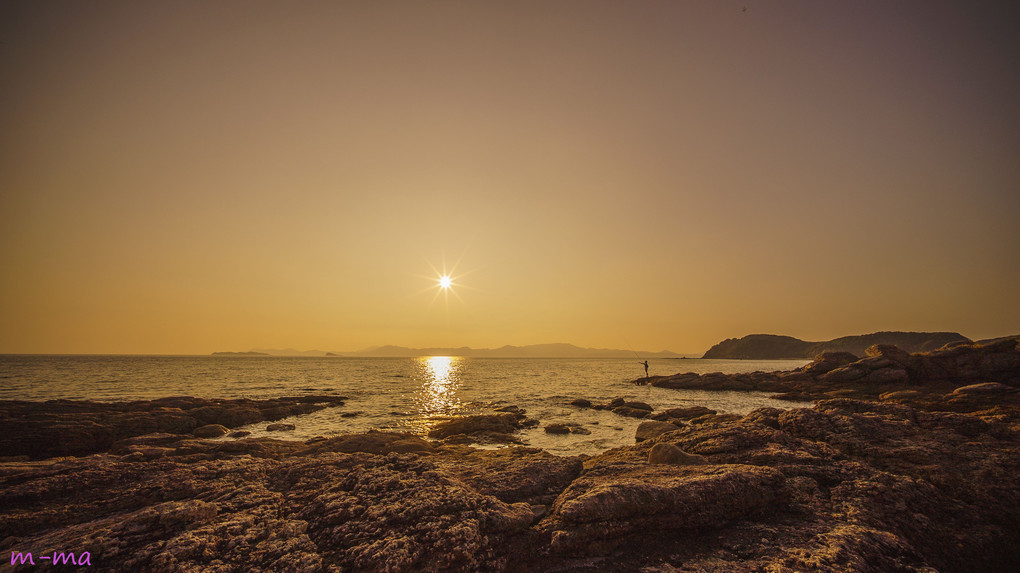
(775, 347)
(557, 350)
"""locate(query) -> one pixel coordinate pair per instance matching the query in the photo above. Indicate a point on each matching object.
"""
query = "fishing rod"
(644, 362)
(632, 348)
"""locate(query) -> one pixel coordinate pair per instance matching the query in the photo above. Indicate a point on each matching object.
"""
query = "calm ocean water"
(406, 394)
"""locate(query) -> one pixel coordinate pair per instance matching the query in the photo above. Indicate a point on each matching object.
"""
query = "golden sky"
(187, 177)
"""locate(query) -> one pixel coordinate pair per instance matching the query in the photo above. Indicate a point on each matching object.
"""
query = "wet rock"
(210, 431)
(581, 403)
(683, 413)
(566, 428)
(631, 412)
(77, 428)
(651, 429)
(557, 429)
(280, 427)
(482, 428)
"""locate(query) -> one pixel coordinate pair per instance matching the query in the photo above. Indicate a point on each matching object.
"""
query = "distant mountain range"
(771, 346)
(751, 347)
(558, 350)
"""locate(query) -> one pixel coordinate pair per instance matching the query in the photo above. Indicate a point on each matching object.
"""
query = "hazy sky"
(185, 177)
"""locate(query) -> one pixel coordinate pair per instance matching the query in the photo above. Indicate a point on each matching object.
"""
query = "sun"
(445, 281)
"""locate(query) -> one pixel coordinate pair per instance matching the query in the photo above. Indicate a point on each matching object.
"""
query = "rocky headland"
(913, 469)
(775, 347)
(884, 372)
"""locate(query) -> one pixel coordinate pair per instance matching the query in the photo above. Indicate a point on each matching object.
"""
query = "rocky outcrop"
(484, 428)
(883, 369)
(78, 428)
(628, 408)
(611, 502)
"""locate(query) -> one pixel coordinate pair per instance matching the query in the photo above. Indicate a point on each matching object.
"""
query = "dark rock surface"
(76, 428)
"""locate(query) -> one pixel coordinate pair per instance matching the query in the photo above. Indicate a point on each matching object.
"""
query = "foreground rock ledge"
(845, 486)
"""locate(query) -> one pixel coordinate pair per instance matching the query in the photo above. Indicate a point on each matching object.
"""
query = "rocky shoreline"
(905, 463)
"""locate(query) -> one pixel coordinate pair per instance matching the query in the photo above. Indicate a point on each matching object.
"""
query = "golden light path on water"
(437, 394)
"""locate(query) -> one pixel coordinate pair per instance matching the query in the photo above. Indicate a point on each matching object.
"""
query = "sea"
(395, 394)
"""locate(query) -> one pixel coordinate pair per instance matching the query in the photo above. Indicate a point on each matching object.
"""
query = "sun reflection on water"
(438, 379)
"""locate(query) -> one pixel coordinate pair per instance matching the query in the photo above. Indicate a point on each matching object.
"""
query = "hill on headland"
(771, 346)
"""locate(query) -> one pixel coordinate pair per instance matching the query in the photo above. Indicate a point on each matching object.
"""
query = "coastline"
(890, 471)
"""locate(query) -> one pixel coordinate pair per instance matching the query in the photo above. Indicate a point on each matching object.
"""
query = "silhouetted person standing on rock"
(646, 368)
